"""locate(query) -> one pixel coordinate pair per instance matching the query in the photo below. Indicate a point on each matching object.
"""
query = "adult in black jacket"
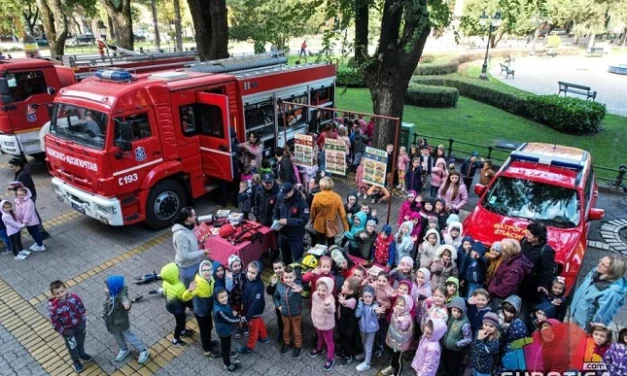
(265, 199)
(293, 213)
(535, 248)
(315, 124)
(469, 168)
(17, 165)
(285, 168)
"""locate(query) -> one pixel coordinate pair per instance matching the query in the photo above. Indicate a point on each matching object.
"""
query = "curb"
(610, 232)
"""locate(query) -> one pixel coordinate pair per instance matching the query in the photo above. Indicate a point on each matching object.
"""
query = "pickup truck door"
(215, 144)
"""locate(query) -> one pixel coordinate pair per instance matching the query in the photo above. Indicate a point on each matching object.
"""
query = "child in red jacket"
(68, 317)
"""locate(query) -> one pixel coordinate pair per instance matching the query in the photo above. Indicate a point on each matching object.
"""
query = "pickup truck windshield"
(80, 125)
(552, 205)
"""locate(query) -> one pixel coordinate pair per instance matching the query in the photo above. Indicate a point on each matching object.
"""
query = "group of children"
(16, 216)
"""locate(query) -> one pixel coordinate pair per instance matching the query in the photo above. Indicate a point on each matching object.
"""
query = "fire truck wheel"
(165, 201)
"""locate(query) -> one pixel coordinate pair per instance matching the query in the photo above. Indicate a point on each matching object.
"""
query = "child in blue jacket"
(226, 321)
(475, 274)
(254, 304)
(368, 314)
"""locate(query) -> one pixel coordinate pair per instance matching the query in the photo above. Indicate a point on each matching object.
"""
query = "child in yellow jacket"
(494, 257)
(173, 290)
(200, 291)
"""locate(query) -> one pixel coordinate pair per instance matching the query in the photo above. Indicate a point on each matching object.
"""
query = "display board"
(303, 150)
(375, 164)
(335, 156)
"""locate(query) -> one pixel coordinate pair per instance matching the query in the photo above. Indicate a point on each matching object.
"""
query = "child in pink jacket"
(13, 230)
(427, 358)
(401, 164)
(323, 318)
(405, 210)
(25, 213)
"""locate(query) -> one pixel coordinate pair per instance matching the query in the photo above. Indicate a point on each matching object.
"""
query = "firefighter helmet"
(310, 261)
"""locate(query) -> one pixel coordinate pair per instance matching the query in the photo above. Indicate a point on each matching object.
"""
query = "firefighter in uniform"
(265, 199)
(293, 214)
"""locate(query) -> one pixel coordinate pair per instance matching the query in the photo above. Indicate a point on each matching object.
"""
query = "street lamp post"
(493, 24)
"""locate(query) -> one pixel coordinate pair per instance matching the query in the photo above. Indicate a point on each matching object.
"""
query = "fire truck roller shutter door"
(164, 203)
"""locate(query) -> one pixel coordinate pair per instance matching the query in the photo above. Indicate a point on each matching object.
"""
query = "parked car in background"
(42, 42)
(8, 38)
(139, 38)
(83, 39)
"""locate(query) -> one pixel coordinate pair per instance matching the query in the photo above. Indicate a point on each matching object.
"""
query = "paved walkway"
(83, 252)
(540, 75)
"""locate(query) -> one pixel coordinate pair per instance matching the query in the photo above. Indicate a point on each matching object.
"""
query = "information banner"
(335, 156)
(303, 150)
(375, 164)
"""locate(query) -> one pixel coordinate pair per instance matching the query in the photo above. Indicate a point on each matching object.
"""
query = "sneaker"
(345, 361)
(329, 364)
(87, 357)
(387, 371)
(143, 356)
(212, 354)
(362, 367)
(78, 367)
(232, 368)
(187, 333)
(314, 353)
(36, 248)
(244, 350)
(6, 251)
(233, 354)
(360, 357)
(20, 257)
(237, 333)
(25, 252)
(296, 353)
(246, 332)
(262, 340)
(378, 352)
(122, 355)
(284, 349)
(178, 343)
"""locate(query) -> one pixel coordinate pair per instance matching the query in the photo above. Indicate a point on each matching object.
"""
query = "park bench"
(551, 53)
(507, 70)
(595, 51)
(567, 87)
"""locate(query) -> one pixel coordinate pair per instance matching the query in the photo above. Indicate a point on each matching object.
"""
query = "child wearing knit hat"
(494, 258)
(485, 347)
(384, 252)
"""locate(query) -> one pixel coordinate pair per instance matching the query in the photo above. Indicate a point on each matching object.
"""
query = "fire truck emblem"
(31, 113)
(140, 154)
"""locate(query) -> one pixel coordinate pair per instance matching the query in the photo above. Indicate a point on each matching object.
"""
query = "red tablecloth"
(221, 249)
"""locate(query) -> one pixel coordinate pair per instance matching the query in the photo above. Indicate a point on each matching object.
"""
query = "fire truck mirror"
(51, 90)
(4, 86)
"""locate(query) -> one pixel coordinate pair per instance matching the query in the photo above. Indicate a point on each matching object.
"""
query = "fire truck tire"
(164, 203)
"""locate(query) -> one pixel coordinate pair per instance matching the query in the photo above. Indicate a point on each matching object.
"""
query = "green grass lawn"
(477, 123)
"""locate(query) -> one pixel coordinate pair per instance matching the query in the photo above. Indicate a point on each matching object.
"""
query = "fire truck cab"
(127, 148)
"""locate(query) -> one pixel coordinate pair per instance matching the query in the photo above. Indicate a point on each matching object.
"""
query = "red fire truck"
(126, 148)
(27, 86)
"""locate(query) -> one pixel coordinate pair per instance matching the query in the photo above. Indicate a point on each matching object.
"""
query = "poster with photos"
(303, 150)
(375, 163)
(335, 156)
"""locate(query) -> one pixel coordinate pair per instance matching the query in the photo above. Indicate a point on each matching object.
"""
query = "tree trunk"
(536, 34)
(361, 30)
(55, 25)
(397, 56)
(591, 40)
(120, 15)
(112, 33)
(210, 23)
(155, 23)
(177, 26)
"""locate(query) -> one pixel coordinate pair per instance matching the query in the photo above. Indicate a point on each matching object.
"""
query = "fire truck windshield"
(80, 125)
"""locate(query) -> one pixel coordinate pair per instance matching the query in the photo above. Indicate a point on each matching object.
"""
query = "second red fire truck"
(127, 148)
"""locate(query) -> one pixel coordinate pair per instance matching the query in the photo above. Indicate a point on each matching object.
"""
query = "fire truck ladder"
(239, 63)
(78, 61)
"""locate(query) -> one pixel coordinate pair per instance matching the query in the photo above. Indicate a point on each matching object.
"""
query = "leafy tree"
(211, 26)
(54, 16)
(119, 12)
(268, 21)
(405, 26)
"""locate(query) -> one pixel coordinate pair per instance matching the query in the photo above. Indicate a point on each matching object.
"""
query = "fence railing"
(612, 177)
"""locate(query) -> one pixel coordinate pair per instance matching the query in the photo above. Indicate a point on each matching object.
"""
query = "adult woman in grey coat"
(188, 254)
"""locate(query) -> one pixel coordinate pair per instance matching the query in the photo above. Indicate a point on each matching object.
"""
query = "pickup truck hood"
(488, 227)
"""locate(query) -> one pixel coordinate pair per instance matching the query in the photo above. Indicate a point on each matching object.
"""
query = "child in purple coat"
(616, 356)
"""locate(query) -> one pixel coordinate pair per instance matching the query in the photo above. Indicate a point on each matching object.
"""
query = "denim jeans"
(5, 239)
(122, 338)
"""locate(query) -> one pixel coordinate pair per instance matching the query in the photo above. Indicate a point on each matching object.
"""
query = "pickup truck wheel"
(165, 201)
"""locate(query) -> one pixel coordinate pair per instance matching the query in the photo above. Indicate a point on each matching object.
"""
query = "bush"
(478, 90)
(436, 68)
(570, 115)
(431, 96)
(553, 41)
(349, 77)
